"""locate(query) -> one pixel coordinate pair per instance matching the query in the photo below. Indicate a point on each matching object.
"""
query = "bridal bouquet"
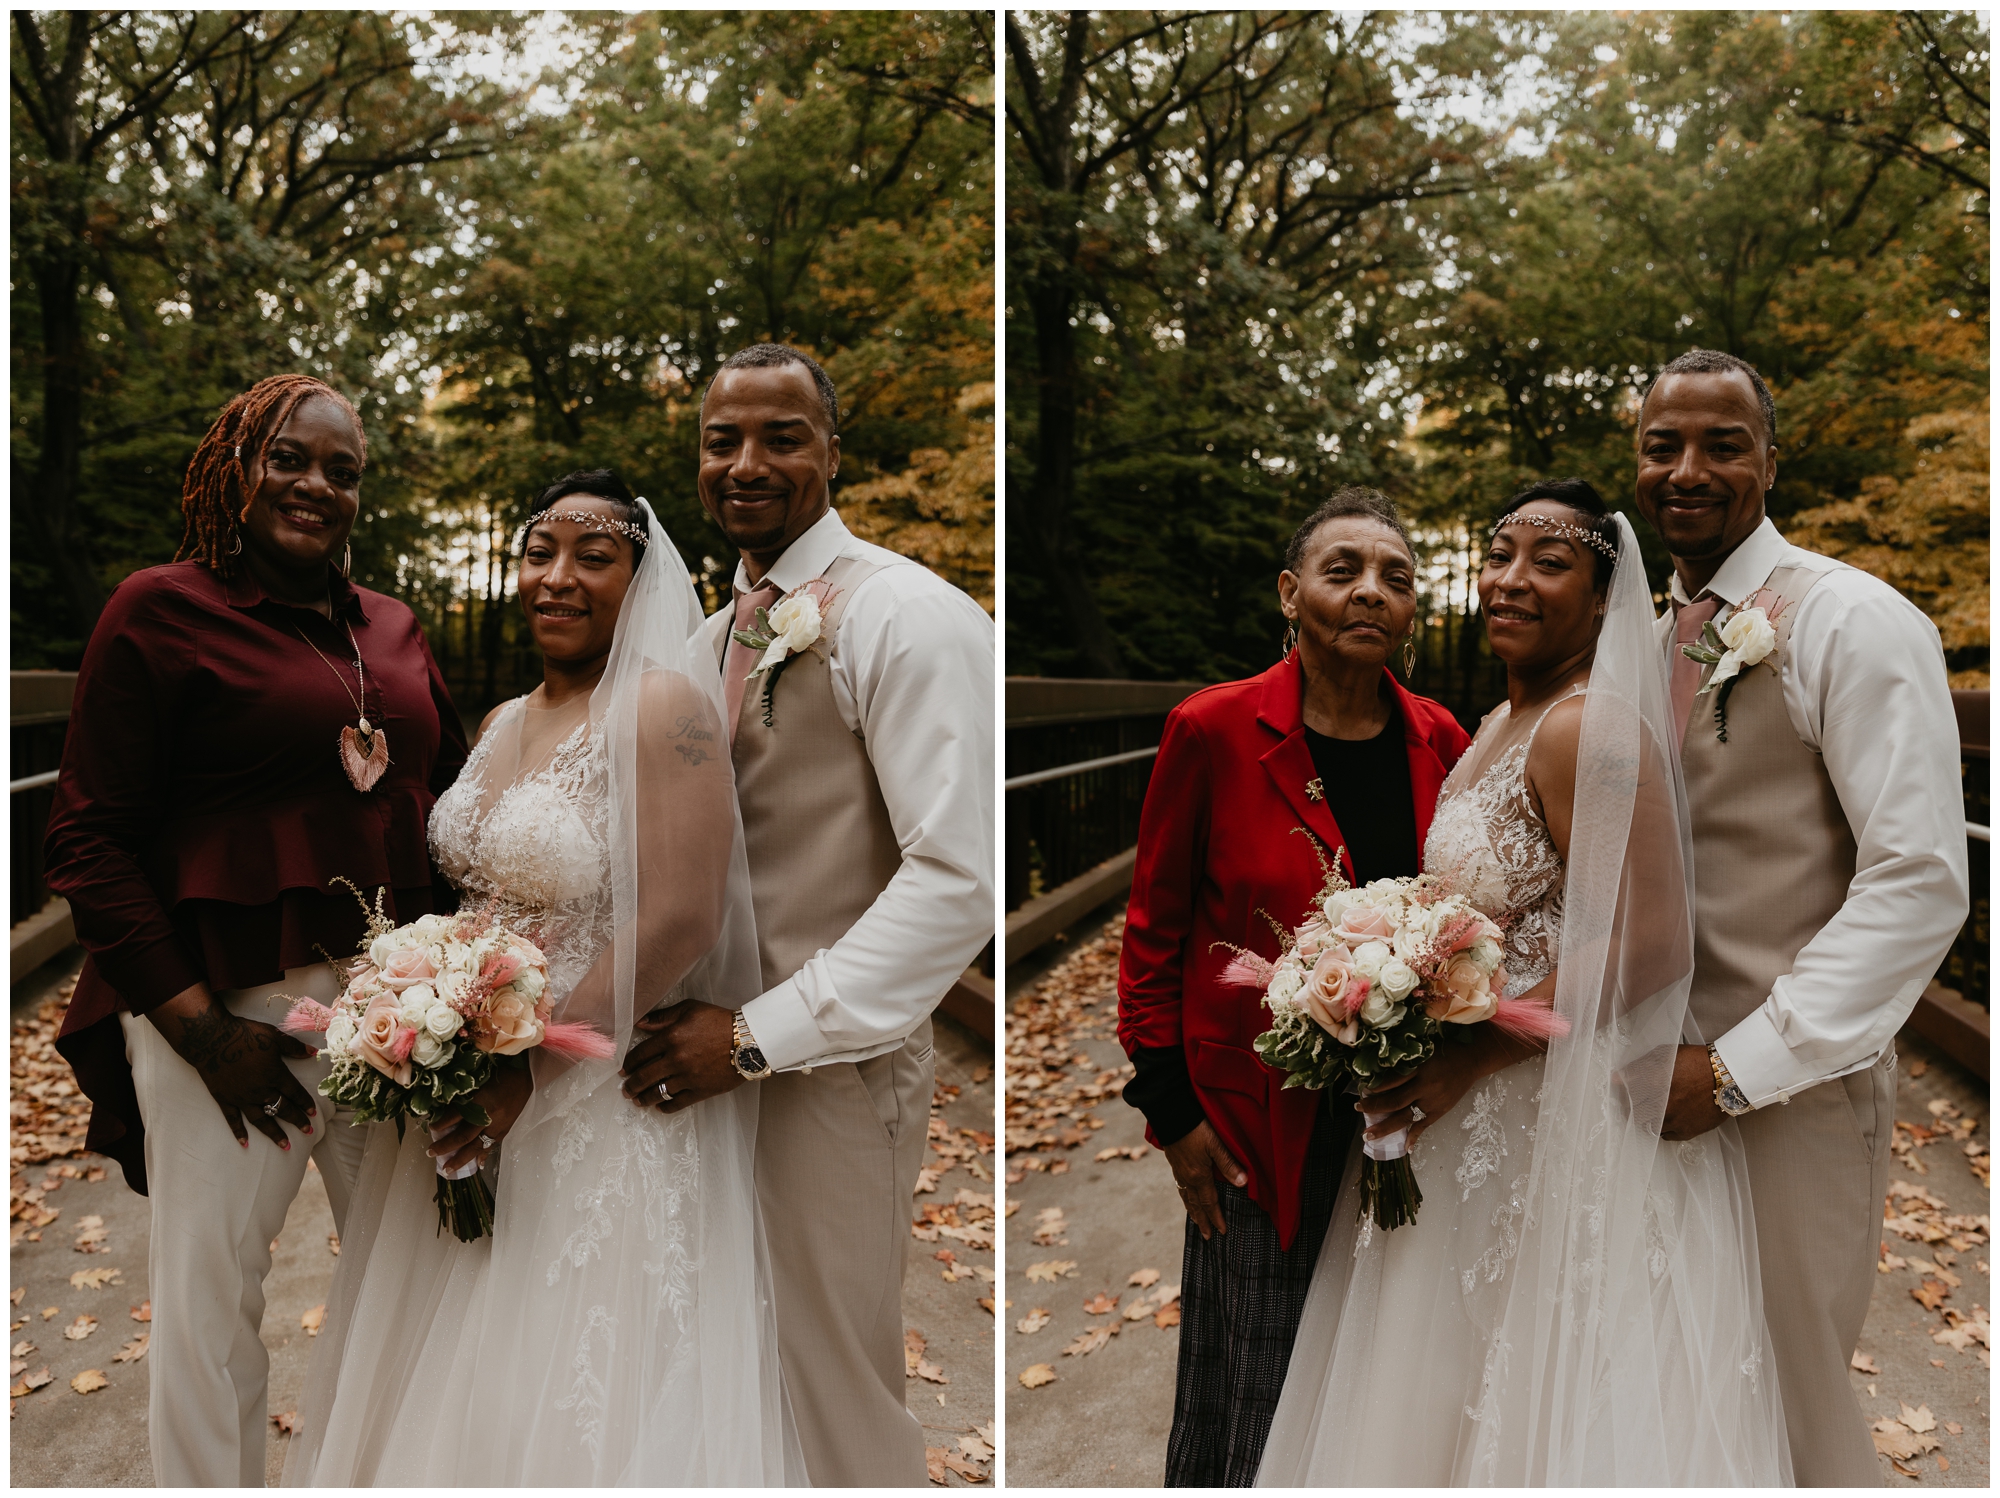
(1361, 992)
(428, 1010)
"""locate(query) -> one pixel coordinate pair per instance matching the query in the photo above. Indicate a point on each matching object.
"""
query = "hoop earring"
(1409, 655)
(1291, 640)
(347, 561)
(237, 549)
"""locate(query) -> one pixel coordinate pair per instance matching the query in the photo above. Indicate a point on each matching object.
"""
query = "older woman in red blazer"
(1323, 756)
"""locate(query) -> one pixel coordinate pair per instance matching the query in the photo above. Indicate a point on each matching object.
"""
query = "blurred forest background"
(1253, 256)
(522, 245)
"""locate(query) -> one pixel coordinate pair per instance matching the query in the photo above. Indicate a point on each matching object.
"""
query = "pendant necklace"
(364, 749)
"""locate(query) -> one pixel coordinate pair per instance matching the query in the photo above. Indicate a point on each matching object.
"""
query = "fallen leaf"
(1167, 1316)
(333, 1244)
(95, 1279)
(1145, 1279)
(80, 1328)
(1953, 1428)
(17, 1293)
(1050, 1226)
(1037, 1374)
(1111, 1154)
(287, 1423)
(1897, 1442)
(1088, 1341)
(975, 1448)
(49, 1313)
(1917, 1068)
(1891, 1261)
(314, 1319)
(1052, 1269)
(1944, 1463)
(91, 1240)
(1930, 1294)
(24, 1348)
(1033, 1322)
(95, 1173)
(929, 1372)
(1099, 1303)
(39, 1379)
(1906, 1471)
(1060, 1168)
(1861, 1362)
(90, 1381)
(134, 1350)
(914, 1343)
(927, 1180)
(986, 1304)
(955, 1463)
(934, 1463)
(1920, 1419)
(1937, 1362)
(143, 1311)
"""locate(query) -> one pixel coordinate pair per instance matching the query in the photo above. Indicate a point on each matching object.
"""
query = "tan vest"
(1773, 853)
(817, 833)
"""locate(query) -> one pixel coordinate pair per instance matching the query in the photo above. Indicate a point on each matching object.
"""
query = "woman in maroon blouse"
(248, 728)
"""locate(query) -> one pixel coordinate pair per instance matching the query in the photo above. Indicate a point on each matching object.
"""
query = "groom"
(865, 771)
(1829, 873)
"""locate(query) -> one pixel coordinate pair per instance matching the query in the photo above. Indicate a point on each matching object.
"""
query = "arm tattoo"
(211, 1039)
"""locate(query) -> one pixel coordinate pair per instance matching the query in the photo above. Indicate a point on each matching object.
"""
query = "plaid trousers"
(1241, 1299)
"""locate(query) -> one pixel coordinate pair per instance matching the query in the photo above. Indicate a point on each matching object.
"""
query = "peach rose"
(1461, 994)
(407, 966)
(508, 1026)
(383, 1042)
(1367, 923)
(1326, 991)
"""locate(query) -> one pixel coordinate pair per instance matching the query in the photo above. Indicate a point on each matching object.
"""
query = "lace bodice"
(541, 847)
(1488, 837)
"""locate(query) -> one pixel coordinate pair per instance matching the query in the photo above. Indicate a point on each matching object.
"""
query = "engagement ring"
(271, 1108)
(1416, 1113)
(665, 1096)
(487, 1140)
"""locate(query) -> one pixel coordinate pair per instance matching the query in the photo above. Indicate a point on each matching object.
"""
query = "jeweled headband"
(1561, 528)
(589, 520)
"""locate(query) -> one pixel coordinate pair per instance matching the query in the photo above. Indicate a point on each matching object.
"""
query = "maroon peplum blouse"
(202, 813)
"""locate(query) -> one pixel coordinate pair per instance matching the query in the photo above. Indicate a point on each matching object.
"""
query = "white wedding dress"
(616, 1327)
(1577, 1302)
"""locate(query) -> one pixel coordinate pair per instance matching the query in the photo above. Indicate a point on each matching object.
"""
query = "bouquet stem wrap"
(1389, 1190)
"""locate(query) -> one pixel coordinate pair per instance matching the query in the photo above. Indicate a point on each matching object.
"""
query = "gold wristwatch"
(1728, 1096)
(744, 1054)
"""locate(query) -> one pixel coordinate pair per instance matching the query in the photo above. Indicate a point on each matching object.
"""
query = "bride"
(1577, 1301)
(616, 1328)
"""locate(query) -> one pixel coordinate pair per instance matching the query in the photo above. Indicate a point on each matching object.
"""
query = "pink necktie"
(739, 660)
(1688, 620)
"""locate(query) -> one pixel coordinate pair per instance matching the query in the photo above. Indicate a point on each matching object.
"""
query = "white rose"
(1285, 986)
(429, 1051)
(1379, 1009)
(1485, 954)
(340, 1034)
(1335, 906)
(1369, 957)
(416, 1004)
(1396, 980)
(795, 622)
(529, 983)
(1749, 636)
(442, 1021)
(430, 928)
(380, 949)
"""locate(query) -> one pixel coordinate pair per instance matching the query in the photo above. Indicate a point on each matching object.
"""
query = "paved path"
(60, 1438)
(1103, 1421)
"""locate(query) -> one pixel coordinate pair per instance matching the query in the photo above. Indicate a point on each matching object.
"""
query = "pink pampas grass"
(1248, 970)
(578, 1042)
(306, 1017)
(1527, 1019)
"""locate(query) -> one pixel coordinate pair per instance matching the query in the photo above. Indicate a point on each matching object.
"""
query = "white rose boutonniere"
(1748, 637)
(785, 630)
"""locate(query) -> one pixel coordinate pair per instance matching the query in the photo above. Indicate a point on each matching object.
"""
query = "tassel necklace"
(364, 749)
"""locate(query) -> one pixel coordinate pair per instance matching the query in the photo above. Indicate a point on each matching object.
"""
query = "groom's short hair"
(1714, 361)
(772, 356)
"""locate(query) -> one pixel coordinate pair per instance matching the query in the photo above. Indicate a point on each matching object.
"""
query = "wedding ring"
(487, 1140)
(271, 1108)
(1416, 1112)
(665, 1096)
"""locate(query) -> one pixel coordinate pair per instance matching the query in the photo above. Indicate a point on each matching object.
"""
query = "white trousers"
(216, 1208)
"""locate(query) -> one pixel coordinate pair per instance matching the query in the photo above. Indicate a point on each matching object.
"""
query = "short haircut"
(775, 355)
(1367, 504)
(1589, 506)
(1713, 361)
(592, 483)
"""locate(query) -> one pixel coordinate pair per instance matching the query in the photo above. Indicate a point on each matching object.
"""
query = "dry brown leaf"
(1899, 1443)
(1099, 1303)
(1917, 1068)
(934, 1464)
(39, 1379)
(1953, 1428)
(914, 1343)
(17, 1293)
(986, 1304)
(49, 1313)
(95, 1279)
(1145, 1279)
(143, 1311)
(1050, 1270)
(1861, 1362)
(976, 1448)
(927, 1180)
(930, 1372)
(95, 1173)
(1167, 1316)
(134, 1350)
(1944, 1462)
(956, 1463)
(287, 1423)
(1936, 1362)
(80, 1328)
(1037, 1374)
(1033, 1322)
(1089, 1340)
(1930, 1294)
(1050, 1226)
(91, 1240)
(24, 1348)
(90, 1381)
(314, 1319)
(333, 1244)
(1920, 1419)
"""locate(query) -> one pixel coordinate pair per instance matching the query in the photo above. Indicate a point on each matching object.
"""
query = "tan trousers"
(1819, 1168)
(216, 1208)
(837, 1158)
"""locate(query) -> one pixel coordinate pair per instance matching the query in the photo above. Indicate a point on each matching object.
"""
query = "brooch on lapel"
(1315, 790)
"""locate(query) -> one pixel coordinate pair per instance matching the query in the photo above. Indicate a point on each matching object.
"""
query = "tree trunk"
(51, 507)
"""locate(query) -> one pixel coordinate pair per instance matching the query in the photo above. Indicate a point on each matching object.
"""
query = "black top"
(1367, 787)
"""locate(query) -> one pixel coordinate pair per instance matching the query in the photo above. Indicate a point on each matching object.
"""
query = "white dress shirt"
(1865, 688)
(912, 667)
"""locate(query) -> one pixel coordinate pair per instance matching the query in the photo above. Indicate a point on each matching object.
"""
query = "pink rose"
(1326, 992)
(1461, 994)
(383, 1042)
(1367, 923)
(408, 966)
(508, 1025)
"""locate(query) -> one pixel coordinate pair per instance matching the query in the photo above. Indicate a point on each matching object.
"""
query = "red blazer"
(1216, 845)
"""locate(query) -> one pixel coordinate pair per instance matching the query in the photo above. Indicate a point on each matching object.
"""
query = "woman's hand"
(241, 1062)
(503, 1098)
(1436, 1086)
(1197, 1158)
